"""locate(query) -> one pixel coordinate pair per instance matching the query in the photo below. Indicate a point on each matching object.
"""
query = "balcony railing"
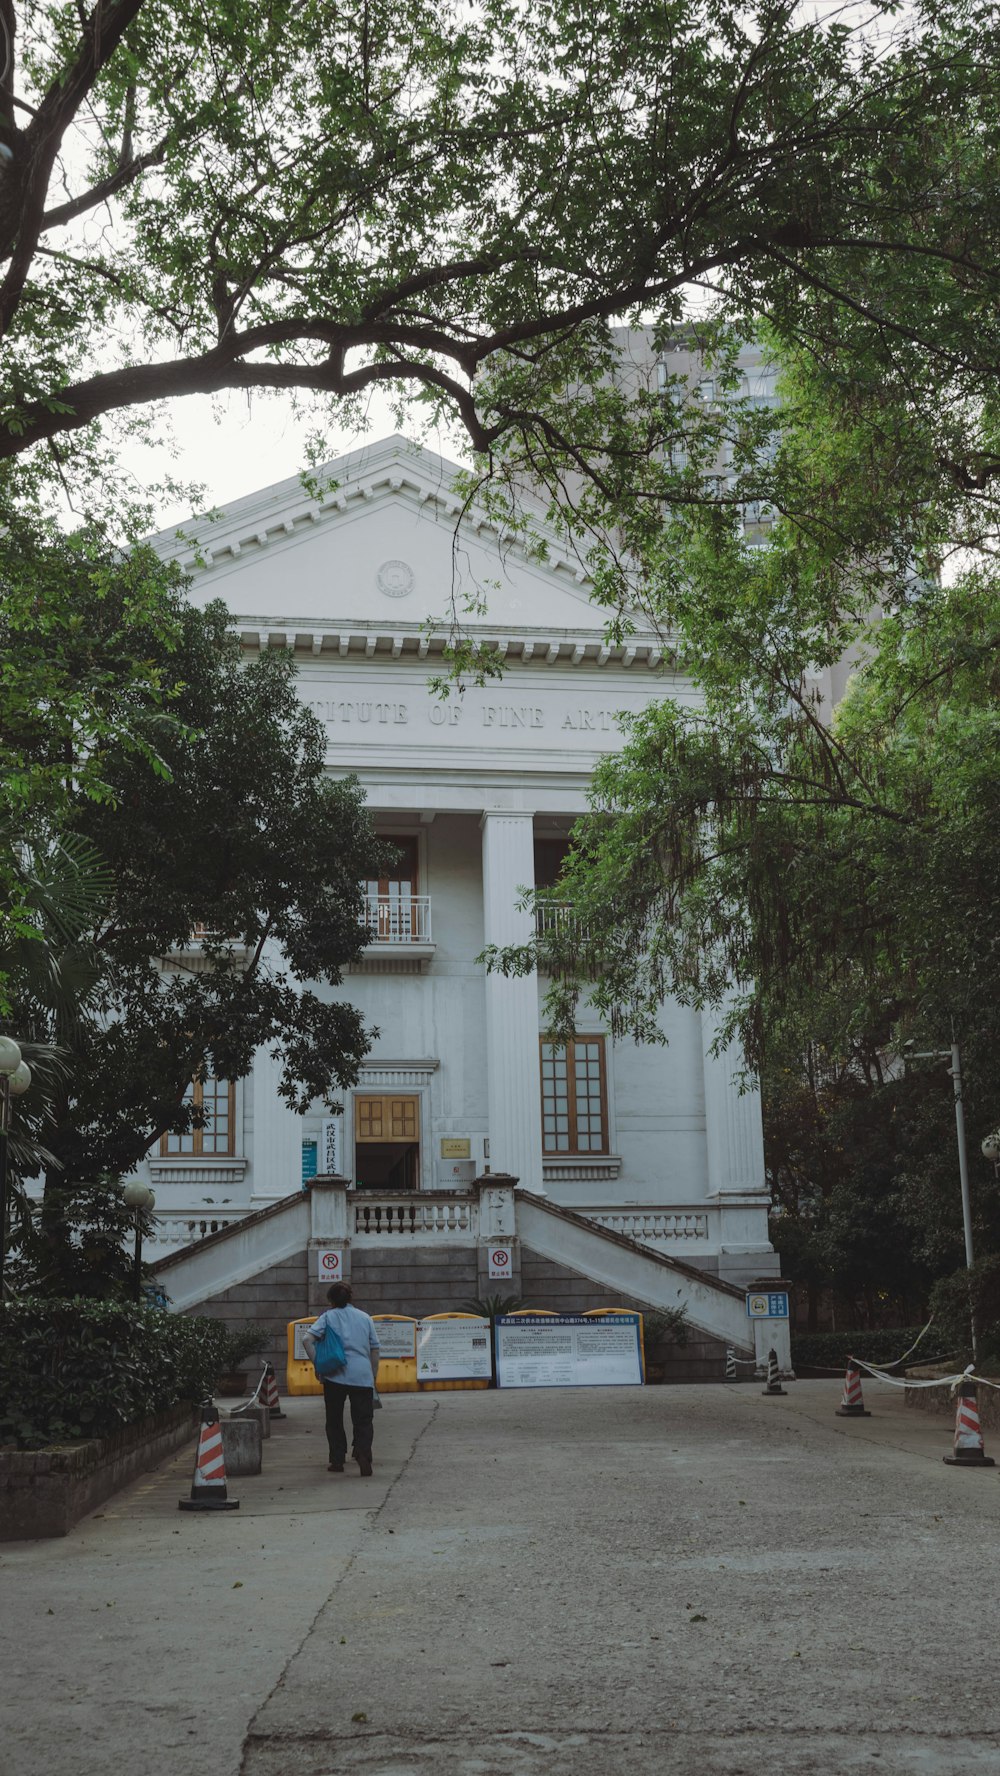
(423, 1216)
(558, 918)
(398, 920)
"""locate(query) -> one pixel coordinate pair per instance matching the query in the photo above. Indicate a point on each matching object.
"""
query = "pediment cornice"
(394, 468)
(414, 641)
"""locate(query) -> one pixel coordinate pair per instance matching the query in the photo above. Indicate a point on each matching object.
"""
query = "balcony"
(400, 928)
(558, 917)
(557, 923)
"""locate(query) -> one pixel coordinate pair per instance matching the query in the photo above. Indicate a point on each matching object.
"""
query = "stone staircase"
(429, 1254)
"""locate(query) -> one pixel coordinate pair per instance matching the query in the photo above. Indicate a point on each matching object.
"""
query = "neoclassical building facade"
(478, 791)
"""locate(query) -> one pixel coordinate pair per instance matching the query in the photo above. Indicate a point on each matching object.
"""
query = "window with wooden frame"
(574, 1096)
(216, 1099)
(393, 910)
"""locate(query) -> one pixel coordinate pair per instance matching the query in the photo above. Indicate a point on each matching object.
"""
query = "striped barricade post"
(773, 1374)
(969, 1451)
(852, 1403)
(208, 1484)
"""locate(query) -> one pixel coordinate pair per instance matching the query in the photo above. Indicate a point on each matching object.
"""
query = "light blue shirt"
(357, 1334)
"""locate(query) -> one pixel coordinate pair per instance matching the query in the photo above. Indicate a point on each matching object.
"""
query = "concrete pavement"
(696, 1580)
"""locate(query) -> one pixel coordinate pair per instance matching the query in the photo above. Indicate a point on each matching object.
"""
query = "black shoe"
(365, 1464)
(335, 1468)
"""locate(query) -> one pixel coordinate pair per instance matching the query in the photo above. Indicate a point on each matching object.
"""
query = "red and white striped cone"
(968, 1451)
(773, 1375)
(271, 1397)
(208, 1486)
(852, 1401)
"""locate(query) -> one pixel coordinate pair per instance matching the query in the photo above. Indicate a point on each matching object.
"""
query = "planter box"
(44, 1492)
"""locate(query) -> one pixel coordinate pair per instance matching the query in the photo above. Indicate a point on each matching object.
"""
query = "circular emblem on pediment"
(395, 579)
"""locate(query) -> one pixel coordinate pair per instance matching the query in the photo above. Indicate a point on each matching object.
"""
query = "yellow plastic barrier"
(610, 1313)
(397, 1375)
(440, 1386)
(300, 1376)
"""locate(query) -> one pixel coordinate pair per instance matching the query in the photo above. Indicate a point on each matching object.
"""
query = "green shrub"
(491, 1307)
(830, 1350)
(667, 1325)
(75, 1369)
(247, 1338)
(951, 1299)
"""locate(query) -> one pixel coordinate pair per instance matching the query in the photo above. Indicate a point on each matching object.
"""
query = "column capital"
(505, 814)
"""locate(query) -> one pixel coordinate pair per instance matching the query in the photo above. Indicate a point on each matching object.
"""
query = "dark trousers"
(362, 1417)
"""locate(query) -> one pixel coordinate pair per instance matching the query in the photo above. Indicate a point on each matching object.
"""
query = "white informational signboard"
(501, 1262)
(568, 1350)
(453, 1350)
(396, 1338)
(301, 1354)
(330, 1265)
(767, 1304)
(331, 1146)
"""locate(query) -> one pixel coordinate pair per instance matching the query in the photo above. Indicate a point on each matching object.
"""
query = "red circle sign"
(499, 1259)
(330, 1262)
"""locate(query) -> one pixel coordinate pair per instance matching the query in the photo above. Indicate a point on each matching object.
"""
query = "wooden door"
(388, 1117)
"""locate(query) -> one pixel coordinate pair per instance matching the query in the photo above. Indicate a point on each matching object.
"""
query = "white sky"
(233, 444)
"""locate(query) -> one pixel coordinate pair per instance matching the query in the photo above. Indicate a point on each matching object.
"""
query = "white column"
(277, 1133)
(513, 1074)
(734, 1137)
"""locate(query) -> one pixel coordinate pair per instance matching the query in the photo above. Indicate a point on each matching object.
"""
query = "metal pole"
(963, 1173)
(138, 1254)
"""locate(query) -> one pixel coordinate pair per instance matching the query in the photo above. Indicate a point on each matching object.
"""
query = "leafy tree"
(834, 888)
(235, 832)
(87, 639)
(453, 203)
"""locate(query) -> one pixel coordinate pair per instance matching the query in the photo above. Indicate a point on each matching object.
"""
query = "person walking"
(355, 1382)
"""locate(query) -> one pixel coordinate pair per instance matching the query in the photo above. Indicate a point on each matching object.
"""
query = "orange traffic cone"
(852, 1403)
(208, 1486)
(968, 1451)
(271, 1399)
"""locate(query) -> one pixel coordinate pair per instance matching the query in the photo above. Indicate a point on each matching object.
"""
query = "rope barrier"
(245, 1405)
(949, 1381)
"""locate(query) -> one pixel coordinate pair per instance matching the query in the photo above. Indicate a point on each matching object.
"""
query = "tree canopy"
(218, 898)
(453, 202)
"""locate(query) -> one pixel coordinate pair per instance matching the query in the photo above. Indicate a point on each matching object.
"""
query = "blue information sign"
(767, 1304)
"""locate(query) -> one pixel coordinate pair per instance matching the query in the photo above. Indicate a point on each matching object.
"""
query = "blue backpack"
(330, 1356)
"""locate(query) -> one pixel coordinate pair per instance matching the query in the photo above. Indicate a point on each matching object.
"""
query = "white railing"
(559, 917)
(652, 1227)
(398, 920)
(417, 1215)
(182, 1227)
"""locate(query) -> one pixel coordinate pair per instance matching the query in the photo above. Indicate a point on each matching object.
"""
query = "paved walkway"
(584, 1583)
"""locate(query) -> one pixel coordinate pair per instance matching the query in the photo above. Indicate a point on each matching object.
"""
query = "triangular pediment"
(389, 542)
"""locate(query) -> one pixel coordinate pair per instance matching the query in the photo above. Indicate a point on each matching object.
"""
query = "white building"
(478, 791)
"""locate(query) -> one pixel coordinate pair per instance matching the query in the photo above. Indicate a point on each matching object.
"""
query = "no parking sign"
(501, 1262)
(329, 1265)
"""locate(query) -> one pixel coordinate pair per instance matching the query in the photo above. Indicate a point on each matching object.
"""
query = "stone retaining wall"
(44, 1492)
(941, 1401)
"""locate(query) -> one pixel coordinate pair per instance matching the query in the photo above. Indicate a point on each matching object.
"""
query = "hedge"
(76, 1369)
(830, 1350)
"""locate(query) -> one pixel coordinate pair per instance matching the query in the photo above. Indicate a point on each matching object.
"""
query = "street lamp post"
(15, 1078)
(954, 1055)
(139, 1197)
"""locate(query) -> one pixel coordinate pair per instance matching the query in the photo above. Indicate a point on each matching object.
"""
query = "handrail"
(398, 919)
